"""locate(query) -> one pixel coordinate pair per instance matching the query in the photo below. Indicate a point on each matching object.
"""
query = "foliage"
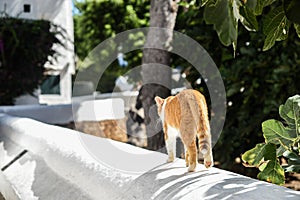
(281, 139)
(100, 19)
(276, 23)
(256, 82)
(25, 46)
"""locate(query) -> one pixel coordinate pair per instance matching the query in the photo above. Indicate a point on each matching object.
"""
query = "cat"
(186, 115)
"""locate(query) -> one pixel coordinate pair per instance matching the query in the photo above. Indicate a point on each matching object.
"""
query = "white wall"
(59, 164)
(89, 110)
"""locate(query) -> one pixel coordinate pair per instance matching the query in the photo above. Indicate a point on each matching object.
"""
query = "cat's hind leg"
(192, 156)
(187, 157)
(188, 137)
(170, 139)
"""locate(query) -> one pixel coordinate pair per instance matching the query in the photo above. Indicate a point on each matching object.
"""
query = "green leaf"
(292, 168)
(254, 156)
(280, 150)
(275, 132)
(258, 5)
(290, 112)
(251, 4)
(297, 27)
(260, 153)
(187, 4)
(273, 173)
(234, 89)
(275, 27)
(248, 18)
(292, 156)
(225, 22)
(204, 2)
(270, 152)
(262, 166)
(291, 9)
(293, 162)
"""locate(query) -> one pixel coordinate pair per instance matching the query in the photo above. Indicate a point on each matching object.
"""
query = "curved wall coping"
(65, 154)
(88, 110)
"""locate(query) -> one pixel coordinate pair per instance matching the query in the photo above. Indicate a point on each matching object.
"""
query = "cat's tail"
(204, 141)
(200, 114)
(203, 127)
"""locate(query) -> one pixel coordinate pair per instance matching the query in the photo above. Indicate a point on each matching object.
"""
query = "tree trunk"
(156, 71)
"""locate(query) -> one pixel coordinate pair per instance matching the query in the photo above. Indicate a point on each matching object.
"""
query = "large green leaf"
(275, 132)
(248, 18)
(273, 173)
(260, 153)
(275, 27)
(223, 14)
(258, 5)
(291, 9)
(290, 112)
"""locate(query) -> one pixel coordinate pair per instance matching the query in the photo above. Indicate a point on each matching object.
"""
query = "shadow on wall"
(173, 187)
(67, 162)
(55, 187)
(37, 180)
(203, 184)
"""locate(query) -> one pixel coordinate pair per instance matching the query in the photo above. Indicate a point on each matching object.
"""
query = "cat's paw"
(186, 164)
(208, 160)
(192, 167)
(208, 164)
(170, 160)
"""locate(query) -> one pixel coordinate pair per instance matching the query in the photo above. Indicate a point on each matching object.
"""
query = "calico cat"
(186, 115)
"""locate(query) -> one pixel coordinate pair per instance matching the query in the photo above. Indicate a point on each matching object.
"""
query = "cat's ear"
(158, 100)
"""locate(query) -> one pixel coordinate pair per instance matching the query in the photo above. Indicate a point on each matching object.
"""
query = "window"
(26, 8)
(51, 85)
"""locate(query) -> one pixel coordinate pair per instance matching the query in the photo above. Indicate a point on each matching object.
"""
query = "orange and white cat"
(186, 115)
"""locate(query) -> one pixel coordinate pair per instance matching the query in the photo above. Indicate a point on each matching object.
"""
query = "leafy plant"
(281, 139)
(276, 23)
(25, 46)
(98, 20)
(256, 82)
(253, 78)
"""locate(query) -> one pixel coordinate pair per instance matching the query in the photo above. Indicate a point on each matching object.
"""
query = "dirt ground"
(293, 181)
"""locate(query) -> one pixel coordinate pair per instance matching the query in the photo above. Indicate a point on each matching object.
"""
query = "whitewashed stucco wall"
(64, 164)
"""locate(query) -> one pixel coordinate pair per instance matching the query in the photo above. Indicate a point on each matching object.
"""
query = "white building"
(60, 13)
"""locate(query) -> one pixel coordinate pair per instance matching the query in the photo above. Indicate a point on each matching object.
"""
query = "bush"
(257, 83)
(25, 46)
(281, 140)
